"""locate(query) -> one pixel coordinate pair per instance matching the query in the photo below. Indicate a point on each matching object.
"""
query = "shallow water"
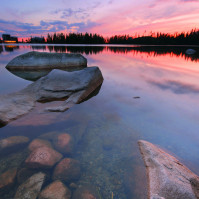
(148, 93)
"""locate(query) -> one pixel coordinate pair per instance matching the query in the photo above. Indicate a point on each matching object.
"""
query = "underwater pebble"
(67, 170)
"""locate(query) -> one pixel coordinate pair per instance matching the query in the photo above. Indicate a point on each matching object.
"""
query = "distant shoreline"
(116, 45)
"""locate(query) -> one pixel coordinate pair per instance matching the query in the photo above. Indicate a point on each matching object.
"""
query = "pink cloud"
(107, 17)
(166, 16)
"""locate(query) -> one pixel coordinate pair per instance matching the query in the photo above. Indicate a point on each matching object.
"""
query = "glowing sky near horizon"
(107, 17)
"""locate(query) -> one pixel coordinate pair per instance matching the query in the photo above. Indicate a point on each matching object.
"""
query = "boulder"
(7, 179)
(43, 60)
(56, 190)
(63, 143)
(190, 51)
(167, 177)
(67, 170)
(76, 85)
(31, 187)
(37, 143)
(43, 157)
(73, 86)
(86, 192)
(10, 144)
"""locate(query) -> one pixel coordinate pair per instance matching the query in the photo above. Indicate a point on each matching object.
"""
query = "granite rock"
(43, 157)
(37, 143)
(7, 179)
(31, 187)
(56, 190)
(167, 177)
(43, 60)
(63, 143)
(67, 170)
(10, 144)
(74, 87)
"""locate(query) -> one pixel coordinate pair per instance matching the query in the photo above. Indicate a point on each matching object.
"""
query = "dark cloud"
(176, 87)
(79, 13)
(16, 28)
(27, 29)
(69, 12)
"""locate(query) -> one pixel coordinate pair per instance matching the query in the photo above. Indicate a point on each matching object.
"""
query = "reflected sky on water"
(145, 95)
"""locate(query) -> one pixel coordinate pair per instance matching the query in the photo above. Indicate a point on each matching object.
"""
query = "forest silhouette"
(188, 38)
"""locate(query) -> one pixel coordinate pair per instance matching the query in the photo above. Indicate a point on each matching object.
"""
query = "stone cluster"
(34, 180)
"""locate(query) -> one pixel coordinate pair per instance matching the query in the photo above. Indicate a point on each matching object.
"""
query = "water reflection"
(150, 51)
(88, 50)
(107, 127)
(30, 75)
(176, 87)
(39, 47)
(1, 49)
(179, 51)
(10, 48)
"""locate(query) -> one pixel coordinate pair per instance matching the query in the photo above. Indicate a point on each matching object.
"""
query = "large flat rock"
(74, 87)
(14, 105)
(167, 177)
(43, 60)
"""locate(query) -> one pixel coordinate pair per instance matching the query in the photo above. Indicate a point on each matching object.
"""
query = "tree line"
(188, 38)
(71, 38)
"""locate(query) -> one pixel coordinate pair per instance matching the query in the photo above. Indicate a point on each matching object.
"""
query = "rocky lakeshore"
(45, 167)
(73, 87)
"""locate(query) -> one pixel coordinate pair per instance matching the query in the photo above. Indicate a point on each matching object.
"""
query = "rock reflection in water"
(149, 50)
(30, 75)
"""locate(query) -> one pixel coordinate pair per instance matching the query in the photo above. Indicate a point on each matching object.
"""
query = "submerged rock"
(13, 142)
(14, 105)
(24, 173)
(43, 60)
(63, 143)
(190, 51)
(56, 190)
(86, 192)
(168, 178)
(7, 179)
(31, 187)
(73, 86)
(37, 143)
(43, 157)
(67, 170)
(50, 136)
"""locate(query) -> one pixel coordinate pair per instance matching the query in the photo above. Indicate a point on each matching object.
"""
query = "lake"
(149, 93)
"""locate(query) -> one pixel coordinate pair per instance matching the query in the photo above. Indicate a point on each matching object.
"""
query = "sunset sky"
(107, 17)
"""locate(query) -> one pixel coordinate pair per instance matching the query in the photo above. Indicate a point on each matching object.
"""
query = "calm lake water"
(149, 93)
